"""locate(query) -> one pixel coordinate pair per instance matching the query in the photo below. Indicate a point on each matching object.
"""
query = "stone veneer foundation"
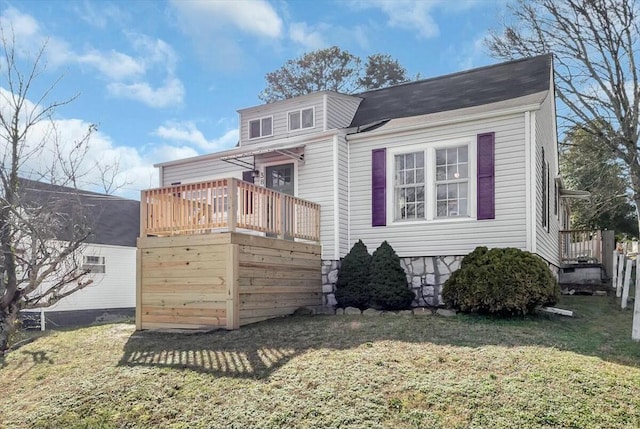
(425, 274)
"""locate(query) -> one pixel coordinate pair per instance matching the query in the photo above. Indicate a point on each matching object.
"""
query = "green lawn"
(336, 371)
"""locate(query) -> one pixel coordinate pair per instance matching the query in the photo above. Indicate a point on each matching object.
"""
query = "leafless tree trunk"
(40, 233)
(595, 43)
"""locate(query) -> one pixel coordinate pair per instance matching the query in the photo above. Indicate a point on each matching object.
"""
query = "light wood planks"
(223, 280)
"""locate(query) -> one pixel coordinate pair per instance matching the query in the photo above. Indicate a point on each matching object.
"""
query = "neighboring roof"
(456, 91)
(113, 220)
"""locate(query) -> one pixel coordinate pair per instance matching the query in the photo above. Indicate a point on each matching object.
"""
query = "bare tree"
(41, 230)
(595, 44)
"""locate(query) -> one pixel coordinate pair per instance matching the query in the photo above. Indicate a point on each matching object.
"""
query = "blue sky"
(163, 79)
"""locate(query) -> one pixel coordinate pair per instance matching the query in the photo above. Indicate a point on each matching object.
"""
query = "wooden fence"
(227, 205)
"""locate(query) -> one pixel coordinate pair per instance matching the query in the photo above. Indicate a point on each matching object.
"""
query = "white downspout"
(336, 201)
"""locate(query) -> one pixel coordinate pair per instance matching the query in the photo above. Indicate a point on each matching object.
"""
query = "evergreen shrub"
(352, 287)
(501, 281)
(389, 288)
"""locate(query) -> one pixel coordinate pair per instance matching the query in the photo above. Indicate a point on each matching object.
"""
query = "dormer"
(305, 114)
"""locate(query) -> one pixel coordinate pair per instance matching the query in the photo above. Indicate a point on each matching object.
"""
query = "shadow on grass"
(255, 351)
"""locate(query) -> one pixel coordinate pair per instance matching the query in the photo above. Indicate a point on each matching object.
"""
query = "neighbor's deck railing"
(227, 205)
(581, 245)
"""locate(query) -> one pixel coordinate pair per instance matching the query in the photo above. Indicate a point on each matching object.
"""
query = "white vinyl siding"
(315, 183)
(446, 236)
(279, 110)
(200, 170)
(343, 196)
(547, 237)
(340, 110)
(116, 288)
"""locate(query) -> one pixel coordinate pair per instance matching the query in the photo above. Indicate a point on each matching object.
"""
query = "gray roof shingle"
(456, 91)
(113, 220)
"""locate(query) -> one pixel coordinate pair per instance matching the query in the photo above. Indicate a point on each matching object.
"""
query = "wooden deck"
(223, 280)
(227, 205)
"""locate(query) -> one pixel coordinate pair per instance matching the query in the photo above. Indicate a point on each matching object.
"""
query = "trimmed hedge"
(389, 288)
(352, 287)
(501, 281)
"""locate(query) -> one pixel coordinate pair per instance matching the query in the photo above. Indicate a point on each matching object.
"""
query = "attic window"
(94, 264)
(262, 127)
(301, 119)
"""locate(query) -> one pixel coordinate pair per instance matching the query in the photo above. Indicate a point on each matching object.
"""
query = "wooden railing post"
(143, 213)
(282, 218)
(232, 209)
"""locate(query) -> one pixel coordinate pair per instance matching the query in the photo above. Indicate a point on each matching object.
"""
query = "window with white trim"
(301, 119)
(432, 183)
(452, 181)
(262, 127)
(94, 264)
(410, 186)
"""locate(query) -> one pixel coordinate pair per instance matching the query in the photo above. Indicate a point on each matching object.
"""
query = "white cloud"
(414, 15)
(309, 37)
(56, 142)
(99, 14)
(167, 152)
(255, 17)
(187, 132)
(228, 35)
(113, 65)
(171, 92)
(471, 54)
(127, 76)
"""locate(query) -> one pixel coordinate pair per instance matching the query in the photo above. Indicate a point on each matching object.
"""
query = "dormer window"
(301, 119)
(262, 127)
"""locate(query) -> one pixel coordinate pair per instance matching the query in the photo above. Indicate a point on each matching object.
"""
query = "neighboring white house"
(436, 167)
(109, 253)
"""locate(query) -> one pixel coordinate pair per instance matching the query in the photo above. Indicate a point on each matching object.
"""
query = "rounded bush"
(389, 288)
(352, 287)
(501, 281)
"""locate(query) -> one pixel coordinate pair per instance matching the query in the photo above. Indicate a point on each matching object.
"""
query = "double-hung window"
(410, 185)
(452, 181)
(432, 183)
(301, 119)
(262, 127)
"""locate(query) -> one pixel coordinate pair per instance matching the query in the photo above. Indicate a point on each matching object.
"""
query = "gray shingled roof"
(113, 220)
(456, 91)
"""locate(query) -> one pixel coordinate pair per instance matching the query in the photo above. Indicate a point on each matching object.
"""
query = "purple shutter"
(378, 188)
(247, 176)
(486, 176)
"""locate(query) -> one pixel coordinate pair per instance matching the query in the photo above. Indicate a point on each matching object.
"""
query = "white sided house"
(436, 167)
(109, 254)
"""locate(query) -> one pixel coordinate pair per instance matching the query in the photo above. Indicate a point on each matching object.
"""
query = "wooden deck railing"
(581, 245)
(227, 205)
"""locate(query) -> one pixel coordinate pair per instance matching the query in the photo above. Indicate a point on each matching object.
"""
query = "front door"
(280, 178)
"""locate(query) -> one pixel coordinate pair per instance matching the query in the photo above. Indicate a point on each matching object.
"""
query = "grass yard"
(336, 371)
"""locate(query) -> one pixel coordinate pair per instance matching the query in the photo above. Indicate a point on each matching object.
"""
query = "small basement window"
(94, 264)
